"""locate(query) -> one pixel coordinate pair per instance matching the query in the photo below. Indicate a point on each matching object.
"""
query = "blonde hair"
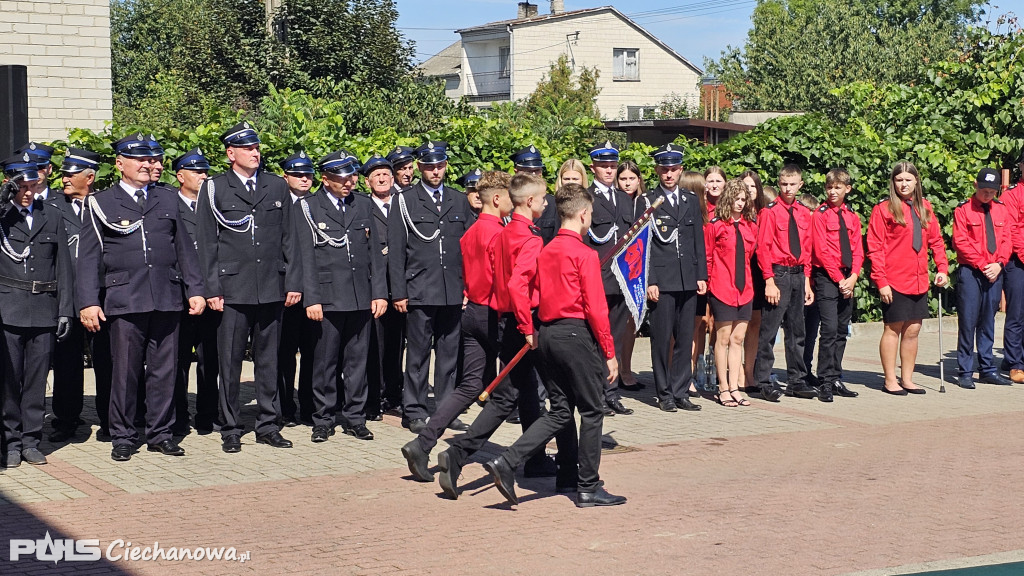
(694, 182)
(524, 185)
(574, 165)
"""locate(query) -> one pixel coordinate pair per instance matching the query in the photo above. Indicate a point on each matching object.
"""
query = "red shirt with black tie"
(515, 271)
(720, 242)
(894, 262)
(827, 253)
(970, 238)
(477, 246)
(773, 237)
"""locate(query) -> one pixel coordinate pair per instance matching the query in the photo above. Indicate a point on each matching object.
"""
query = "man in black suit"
(78, 175)
(198, 333)
(139, 252)
(387, 333)
(425, 267)
(612, 217)
(244, 241)
(41, 155)
(343, 286)
(678, 272)
(296, 329)
(402, 160)
(36, 299)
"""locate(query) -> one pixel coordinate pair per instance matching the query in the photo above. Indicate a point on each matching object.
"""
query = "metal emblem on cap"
(25, 157)
(532, 149)
(668, 148)
(302, 154)
(430, 145)
(398, 150)
(32, 146)
(607, 143)
(245, 125)
(140, 137)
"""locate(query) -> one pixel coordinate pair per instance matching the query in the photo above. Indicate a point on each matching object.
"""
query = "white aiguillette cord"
(242, 225)
(124, 230)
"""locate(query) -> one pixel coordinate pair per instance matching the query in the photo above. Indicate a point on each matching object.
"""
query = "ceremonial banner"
(630, 265)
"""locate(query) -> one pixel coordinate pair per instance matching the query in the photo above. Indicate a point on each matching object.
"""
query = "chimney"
(557, 6)
(526, 10)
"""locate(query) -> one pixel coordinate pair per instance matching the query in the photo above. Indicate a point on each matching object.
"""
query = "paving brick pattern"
(873, 485)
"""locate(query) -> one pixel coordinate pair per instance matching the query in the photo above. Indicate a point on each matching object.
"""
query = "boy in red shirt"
(479, 319)
(981, 236)
(836, 261)
(784, 253)
(573, 339)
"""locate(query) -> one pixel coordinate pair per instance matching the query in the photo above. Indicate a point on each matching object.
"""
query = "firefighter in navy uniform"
(403, 165)
(244, 239)
(197, 333)
(78, 172)
(612, 217)
(387, 333)
(41, 155)
(678, 272)
(425, 268)
(139, 251)
(36, 300)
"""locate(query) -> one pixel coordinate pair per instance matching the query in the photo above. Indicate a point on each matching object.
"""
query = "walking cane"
(942, 372)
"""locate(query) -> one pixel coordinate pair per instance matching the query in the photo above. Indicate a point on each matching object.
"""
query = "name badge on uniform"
(321, 225)
(125, 222)
(277, 204)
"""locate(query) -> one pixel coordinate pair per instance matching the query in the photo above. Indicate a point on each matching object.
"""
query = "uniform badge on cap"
(31, 146)
(140, 137)
(430, 146)
(532, 149)
(26, 157)
(302, 154)
(668, 148)
(245, 125)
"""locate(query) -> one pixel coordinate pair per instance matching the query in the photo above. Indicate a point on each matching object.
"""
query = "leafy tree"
(562, 98)
(799, 50)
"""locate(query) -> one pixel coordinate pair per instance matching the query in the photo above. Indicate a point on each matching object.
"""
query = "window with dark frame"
(625, 64)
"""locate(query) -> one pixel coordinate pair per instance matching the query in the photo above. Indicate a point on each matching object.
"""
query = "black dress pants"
(197, 333)
(789, 314)
(143, 342)
(836, 313)
(68, 379)
(296, 336)
(26, 361)
(384, 372)
(264, 321)
(672, 316)
(429, 327)
(342, 338)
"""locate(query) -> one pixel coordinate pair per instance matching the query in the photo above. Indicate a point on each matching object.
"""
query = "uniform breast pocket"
(46, 244)
(325, 276)
(273, 215)
(832, 227)
(228, 268)
(234, 210)
(359, 231)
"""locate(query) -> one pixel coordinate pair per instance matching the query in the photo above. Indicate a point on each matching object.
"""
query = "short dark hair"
(791, 170)
(572, 199)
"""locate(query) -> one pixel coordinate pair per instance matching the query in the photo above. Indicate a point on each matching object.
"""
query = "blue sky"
(694, 28)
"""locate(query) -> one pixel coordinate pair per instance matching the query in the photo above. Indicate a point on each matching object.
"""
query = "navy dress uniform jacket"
(341, 279)
(48, 260)
(678, 265)
(606, 214)
(188, 216)
(250, 267)
(427, 273)
(160, 278)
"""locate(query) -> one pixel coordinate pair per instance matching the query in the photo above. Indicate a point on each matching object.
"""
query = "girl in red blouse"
(730, 238)
(902, 229)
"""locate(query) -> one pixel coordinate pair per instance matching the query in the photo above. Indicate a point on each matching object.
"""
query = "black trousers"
(143, 342)
(68, 379)
(789, 314)
(618, 318)
(296, 336)
(341, 338)
(519, 389)
(836, 313)
(480, 348)
(103, 370)
(384, 371)
(574, 375)
(812, 322)
(429, 327)
(26, 357)
(264, 321)
(197, 333)
(673, 315)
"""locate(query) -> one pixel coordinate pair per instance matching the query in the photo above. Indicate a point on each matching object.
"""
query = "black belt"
(781, 268)
(33, 286)
(566, 322)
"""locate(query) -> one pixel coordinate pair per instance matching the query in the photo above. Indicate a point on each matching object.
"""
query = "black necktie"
(437, 199)
(845, 253)
(251, 187)
(741, 259)
(192, 205)
(990, 230)
(794, 235)
(918, 243)
(78, 207)
(140, 197)
(24, 214)
(387, 209)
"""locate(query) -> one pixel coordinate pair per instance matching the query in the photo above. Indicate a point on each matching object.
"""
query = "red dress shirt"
(515, 271)
(477, 246)
(569, 279)
(1013, 199)
(773, 237)
(890, 248)
(970, 239)
(825, 239)
(720, 243)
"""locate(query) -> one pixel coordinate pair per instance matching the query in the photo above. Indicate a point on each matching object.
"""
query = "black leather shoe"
(274, 439)
(418, 460)
(13, 459)
(994, 378)
(965, 382)
(231, 443)
(458, 425)
(360, 431)
(540, 467)
(167, 448)
(513, 418)
(840, 389)
(121, 453)
(618, 408)
(916, 391)
(103, 435)
(321, 433)
(770, 393)
(416, 425)
(667, 406)
(900, 392)
(61, 435)
(801, 390)
(504, 478)
(825, 392)
(685, 404)
(599, 497)
(448, 478)
(378, 417)
(607, 410)
(33, 456)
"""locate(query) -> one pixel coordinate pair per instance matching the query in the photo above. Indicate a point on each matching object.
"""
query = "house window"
(640, 112)
(503, 71)
(625, 64)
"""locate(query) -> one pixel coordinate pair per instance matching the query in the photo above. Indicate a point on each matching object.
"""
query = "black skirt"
(905, 308)
(726, 313)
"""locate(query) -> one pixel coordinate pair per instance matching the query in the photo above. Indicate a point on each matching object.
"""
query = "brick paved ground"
(873, 485)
